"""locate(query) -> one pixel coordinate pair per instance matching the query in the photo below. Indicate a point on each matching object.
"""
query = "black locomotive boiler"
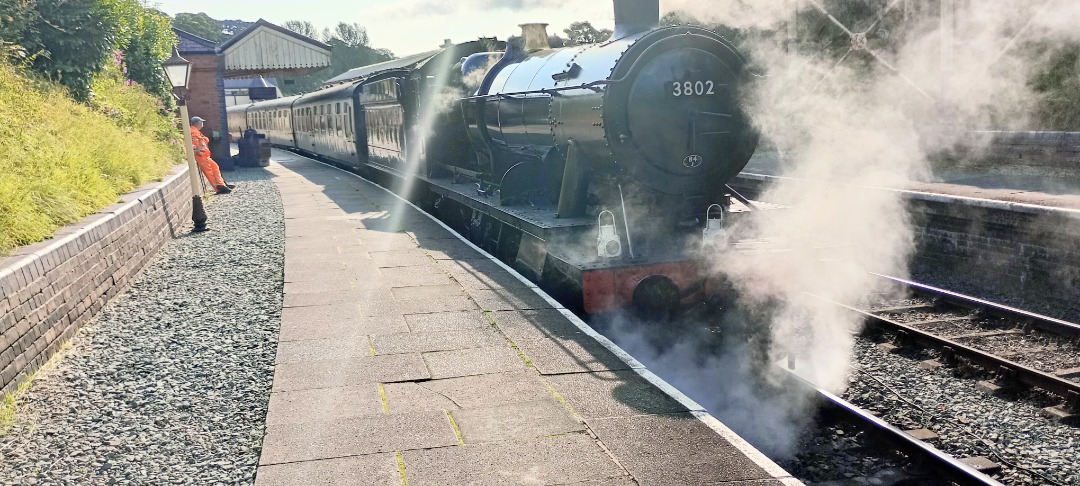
(593, 170)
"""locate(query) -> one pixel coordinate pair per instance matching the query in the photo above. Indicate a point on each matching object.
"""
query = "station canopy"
(265, 49)
(365, 71)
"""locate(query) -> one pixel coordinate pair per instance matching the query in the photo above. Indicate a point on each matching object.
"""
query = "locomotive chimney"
(534, 37)
(634, 16)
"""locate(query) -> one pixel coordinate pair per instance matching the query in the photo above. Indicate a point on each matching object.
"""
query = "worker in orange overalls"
(207, 165)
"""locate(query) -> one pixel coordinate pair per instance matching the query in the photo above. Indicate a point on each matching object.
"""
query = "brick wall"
(1048, 150)
(206, 98)
(999, 247)
(49, 290)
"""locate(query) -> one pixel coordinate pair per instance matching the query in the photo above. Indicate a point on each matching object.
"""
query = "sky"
(409, 26)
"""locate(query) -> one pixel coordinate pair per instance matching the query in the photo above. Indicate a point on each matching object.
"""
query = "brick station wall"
(996, 247)
(1014, 249)
(206, 98)
(49, 290)
(1058, 151)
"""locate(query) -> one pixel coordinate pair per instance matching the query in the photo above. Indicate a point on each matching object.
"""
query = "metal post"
(198, 214)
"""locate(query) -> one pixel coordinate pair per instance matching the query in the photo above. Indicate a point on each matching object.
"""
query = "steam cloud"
(856, 123)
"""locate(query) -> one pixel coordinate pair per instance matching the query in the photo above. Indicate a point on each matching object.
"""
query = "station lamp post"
(178, 70)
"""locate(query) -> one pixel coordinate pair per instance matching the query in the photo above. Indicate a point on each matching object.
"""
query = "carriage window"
(337, 108)
(339, 125)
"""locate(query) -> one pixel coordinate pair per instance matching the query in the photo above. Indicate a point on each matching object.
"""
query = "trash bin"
(264, 151)
(249, 149)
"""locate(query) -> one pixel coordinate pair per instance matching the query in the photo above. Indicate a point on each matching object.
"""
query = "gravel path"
(170, 383)
(956, 411)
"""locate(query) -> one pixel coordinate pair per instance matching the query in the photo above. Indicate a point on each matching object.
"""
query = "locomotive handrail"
(552, 91)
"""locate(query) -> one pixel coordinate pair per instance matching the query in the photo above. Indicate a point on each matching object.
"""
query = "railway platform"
(408, 356)
(1021, 188)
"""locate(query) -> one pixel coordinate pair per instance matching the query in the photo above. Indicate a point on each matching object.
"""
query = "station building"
(261, 51)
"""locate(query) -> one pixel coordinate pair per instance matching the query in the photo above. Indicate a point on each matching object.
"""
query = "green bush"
(61, 160)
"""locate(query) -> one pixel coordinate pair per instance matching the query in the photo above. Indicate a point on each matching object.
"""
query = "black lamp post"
(178, 70)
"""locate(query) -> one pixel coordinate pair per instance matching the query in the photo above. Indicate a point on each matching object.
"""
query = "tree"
(148, 44)
(682, 17)
(70, 40)
(15, 16)
(353, 35)
(584, 33)
(304, 28)
(350, 47)
(201, 25)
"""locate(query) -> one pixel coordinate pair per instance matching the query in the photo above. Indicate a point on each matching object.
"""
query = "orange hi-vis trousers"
(207, 165)
(211, 170)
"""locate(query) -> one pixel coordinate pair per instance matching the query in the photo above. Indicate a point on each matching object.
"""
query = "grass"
(61, 160)
(9, 405)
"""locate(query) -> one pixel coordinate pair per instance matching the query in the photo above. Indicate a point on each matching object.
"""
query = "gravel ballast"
(169, 384)
(970, 423)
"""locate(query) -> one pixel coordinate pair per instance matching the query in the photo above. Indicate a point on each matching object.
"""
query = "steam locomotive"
(598, 171)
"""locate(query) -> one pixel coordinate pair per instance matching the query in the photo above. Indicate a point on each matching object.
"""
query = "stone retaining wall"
(1002, 248)
(1056, 151)
(50, 289)
(1014, 249)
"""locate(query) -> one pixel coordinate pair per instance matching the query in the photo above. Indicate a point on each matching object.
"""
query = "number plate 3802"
(681, 89)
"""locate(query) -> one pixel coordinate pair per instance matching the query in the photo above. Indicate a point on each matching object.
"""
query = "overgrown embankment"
(61, 160)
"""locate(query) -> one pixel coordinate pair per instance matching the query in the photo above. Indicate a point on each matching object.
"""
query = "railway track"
(927, 461)
(1019, 348)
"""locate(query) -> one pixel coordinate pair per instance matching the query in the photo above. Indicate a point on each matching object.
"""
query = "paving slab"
(554, 345)
(320, 276)
(488, 390)
(427, 292)
(428, 274)
(358, 436)
(415, 397)
(423, 342)
(298, 328)
(613, 394)
(467, 362)
(448, 249)
(330, 285)
(562, 459)
(340, 297)
(400, 258)
(674, 449)
(386, 307)
(320, 349)
(508, 299)
(324, 404)
(481, 275)
(446, 321)
(354, 371)
(374, 469)
(516, 421)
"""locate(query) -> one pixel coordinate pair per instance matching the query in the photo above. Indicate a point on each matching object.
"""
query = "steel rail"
(922, 454)
(1046, 323)
(1013, 371)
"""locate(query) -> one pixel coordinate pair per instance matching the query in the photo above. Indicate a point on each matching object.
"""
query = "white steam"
(871, 120)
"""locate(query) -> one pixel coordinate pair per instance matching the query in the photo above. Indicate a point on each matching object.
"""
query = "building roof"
(241, 83)
(191, 43)
(363, 71)
(263, 23)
